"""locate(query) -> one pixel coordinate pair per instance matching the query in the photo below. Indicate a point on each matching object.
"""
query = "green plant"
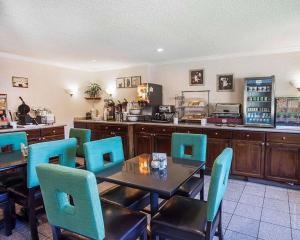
(93, 90)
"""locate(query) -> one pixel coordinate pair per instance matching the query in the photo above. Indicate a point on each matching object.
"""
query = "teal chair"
(86, 216)
(196, 144)
(95, 151)
(29, 195)
(187, 218)
(15, 140)
(82, 135)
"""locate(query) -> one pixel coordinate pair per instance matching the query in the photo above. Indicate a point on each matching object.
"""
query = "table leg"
(153, 203)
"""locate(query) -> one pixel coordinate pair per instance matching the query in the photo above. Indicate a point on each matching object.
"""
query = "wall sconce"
(296, 84)
(71, 92)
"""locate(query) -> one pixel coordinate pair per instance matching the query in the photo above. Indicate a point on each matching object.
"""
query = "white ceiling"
(120, 33)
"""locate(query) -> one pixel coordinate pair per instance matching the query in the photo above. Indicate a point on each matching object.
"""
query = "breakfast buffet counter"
(265, 153)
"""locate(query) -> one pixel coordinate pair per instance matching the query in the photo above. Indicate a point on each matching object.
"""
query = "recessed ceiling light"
(94, 60)
(160, 50)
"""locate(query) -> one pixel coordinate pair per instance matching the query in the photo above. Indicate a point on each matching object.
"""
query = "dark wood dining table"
(12, 160)
(137, 173)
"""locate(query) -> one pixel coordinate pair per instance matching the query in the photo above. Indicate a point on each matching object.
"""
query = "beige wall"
(47, 86)
(175, 77)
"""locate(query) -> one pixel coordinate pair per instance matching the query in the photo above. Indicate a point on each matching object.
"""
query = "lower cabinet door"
(282, 162)
(248, 158)
(214, 147)
(162, 143)
(143, 143)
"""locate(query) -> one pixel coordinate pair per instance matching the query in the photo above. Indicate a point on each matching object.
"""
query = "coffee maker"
(165, 114)
(150, 97)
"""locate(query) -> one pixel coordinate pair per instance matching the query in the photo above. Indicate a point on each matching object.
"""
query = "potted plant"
(93, 90)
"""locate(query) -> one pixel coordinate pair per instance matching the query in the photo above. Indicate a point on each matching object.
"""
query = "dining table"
(138, 173)
(12, 160)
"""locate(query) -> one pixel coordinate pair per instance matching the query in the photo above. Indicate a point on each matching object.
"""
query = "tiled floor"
(251, 211)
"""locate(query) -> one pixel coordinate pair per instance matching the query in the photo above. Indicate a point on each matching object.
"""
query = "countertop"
(195, 125)
(21, 128)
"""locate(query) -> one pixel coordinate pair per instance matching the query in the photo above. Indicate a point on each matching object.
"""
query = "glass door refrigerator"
(259, 101)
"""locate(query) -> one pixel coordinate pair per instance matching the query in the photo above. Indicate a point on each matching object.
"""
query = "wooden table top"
(12, 160)
(137, 173)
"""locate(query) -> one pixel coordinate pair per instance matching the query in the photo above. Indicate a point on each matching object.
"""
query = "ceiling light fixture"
(94, 60)
(160, 50)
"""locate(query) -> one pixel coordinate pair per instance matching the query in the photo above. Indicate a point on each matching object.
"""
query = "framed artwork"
(135, 81)
(21, 82)
(225, 83)
(120, 83)
(127, 82)
(197, 77)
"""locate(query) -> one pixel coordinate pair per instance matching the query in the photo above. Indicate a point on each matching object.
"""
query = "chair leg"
(56, 233)
(32, 215)
(7, 219)
(202, 194)
(12, 206)
(208, 235)
(220, 230)
(143, 236)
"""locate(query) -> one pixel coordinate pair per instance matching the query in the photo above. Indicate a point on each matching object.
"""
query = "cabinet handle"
(267, 144)
(216, 133)
(54, 131)
(119, 129)
(247, 135)
(262, 143)
(106, 127)
(188, 132)
(164, 130)
(143, 129)
(283, 138)
(27, 134)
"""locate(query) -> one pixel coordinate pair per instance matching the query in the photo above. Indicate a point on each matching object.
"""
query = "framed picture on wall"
(127, 82)
(21, 82)
(120, 83)
(135, 81)
(225, 83)
(197, 77)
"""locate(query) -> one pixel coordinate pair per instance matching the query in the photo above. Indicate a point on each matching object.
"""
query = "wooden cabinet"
(283, 162)
(214, 147)
(149, 139)
(80, 125)
(248, 158)
(248, 153)
(103, 130)
(217, 141)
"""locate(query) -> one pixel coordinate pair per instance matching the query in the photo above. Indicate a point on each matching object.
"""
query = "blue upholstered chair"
(187, 218)
(15, 140)
(82, 135)
(132, 198)
(86, 216)
(29, 196)
(197, 144)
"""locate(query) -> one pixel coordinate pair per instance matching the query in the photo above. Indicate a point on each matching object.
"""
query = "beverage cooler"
(259, 102)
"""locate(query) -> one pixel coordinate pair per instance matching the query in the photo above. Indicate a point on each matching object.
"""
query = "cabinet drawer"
(283, 137)
(52, 131)
(217, 133)
(189, 130)
(164, 130)
(143, 128)
(33, 134)
(117, 128)
(249, 135)
(79, 124)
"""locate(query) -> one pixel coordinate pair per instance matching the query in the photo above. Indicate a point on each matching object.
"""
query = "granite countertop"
(30, 127)
(195, 125)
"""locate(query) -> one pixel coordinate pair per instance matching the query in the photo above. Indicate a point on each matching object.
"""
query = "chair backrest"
(40, 153)
(197, 142)
(84, 215)
(82, 135)
(94, 153)
(218, 182)
(15, 139)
